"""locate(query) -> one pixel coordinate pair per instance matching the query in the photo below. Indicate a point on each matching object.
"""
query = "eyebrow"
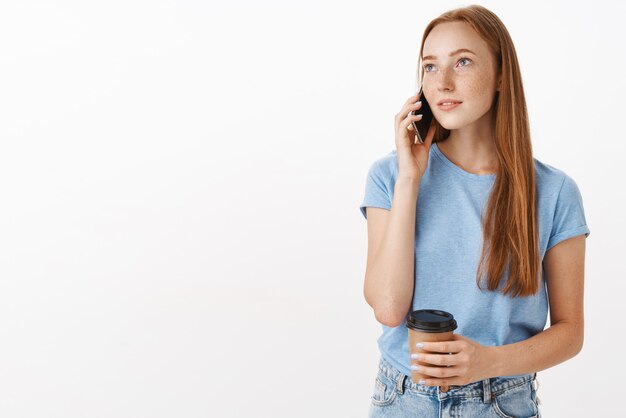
(453, 53)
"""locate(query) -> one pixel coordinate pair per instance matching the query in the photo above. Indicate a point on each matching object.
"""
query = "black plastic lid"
(431, 320)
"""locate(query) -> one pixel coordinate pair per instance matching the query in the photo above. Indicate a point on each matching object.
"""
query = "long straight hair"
(510, 232)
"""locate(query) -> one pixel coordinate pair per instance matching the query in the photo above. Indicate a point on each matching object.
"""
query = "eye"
(465, 59)
(460, 60)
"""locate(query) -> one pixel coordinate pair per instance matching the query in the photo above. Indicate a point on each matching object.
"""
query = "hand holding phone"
(413, 155)
(421, 126)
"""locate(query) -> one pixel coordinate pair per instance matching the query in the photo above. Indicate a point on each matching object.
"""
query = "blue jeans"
(396, 396)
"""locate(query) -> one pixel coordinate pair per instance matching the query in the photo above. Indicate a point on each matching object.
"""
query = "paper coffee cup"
(428, 325)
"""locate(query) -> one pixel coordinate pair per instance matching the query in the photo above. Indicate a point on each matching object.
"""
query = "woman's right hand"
(412, 157)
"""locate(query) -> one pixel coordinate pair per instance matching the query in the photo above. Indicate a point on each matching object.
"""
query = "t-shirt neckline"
(457, 169)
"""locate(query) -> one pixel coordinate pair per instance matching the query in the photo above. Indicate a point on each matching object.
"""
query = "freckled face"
(466, 77)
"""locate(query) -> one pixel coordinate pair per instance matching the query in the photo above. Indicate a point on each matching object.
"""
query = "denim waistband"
(485, 388)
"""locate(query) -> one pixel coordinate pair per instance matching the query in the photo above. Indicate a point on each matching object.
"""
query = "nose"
(445, 80)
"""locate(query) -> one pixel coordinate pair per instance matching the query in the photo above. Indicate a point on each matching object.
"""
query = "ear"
(499, 84)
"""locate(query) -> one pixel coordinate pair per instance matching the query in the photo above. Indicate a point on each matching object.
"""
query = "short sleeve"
(569, 215)
(377, 192)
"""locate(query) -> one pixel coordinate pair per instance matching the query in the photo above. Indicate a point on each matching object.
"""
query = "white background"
(180, 181)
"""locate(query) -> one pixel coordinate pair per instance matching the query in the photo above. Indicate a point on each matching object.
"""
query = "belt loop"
(486, 391)
(400, 383)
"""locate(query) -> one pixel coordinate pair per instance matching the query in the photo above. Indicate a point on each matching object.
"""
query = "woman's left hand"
(467, 362)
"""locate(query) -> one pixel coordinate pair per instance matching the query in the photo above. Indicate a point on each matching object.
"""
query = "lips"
(448, 100)
(447, 106)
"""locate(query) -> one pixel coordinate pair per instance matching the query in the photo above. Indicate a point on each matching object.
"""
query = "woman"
(430, 208)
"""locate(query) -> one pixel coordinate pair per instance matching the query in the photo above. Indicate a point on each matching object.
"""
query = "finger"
(437, 359)
(441, 346)
(407, 109)
(441, 382)
(411, 107)
(408, 121)
(436, 372)
(412, 99)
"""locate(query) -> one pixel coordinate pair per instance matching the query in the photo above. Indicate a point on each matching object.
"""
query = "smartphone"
(421, 126)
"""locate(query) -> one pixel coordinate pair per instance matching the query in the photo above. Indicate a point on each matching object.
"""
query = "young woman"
(472, 202)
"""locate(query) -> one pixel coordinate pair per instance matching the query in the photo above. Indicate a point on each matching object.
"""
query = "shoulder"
(385, 167)
(552, 181)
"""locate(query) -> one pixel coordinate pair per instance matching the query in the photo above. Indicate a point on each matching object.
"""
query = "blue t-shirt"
(448, 240)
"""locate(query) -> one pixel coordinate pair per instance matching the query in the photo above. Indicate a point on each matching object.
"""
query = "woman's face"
(468, 77)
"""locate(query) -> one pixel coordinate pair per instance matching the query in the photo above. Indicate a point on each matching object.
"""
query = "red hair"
(510, 231)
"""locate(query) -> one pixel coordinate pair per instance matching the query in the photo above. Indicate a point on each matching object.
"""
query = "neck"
(473, 147)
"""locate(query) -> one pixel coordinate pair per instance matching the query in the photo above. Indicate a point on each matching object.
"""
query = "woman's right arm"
(389, 275)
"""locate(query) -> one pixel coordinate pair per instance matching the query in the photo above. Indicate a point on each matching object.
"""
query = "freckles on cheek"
(478, 86)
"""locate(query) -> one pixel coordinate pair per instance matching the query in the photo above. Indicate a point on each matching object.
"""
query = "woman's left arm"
(564, 266)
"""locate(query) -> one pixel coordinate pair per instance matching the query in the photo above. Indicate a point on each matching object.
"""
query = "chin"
(450, 123)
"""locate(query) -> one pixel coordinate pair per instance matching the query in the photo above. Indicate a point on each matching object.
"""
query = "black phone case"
(421, 126)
